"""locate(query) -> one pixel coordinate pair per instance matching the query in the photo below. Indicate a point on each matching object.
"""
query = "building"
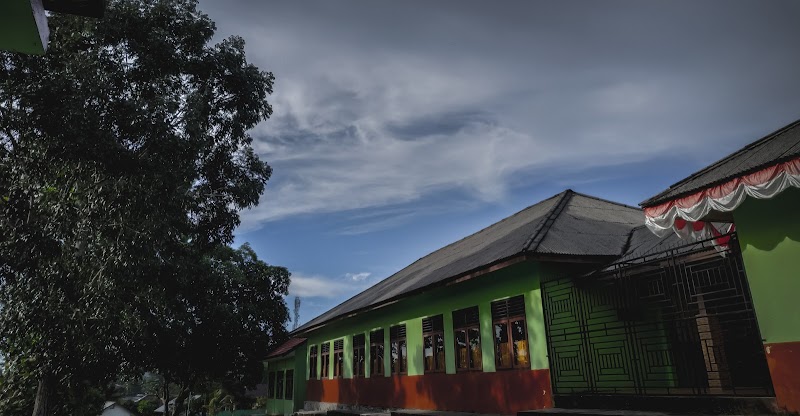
(756, 189)
(582, 302)
(285, 369)
(23, 23)
(187, 403)
(115, 409)
(462, 329)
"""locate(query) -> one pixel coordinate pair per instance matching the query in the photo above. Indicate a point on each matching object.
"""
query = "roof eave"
(287, 354)
(85, 8)
(660, 198)
(490, 268)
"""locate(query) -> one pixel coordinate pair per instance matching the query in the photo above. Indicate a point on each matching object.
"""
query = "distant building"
(115, 409)
(162, 408)
(285, 383)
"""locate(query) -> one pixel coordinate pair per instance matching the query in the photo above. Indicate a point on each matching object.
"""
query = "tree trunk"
(166, 395)
(42, 405)
(180, 401)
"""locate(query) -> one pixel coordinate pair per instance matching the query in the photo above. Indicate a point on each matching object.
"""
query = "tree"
(222, 322)
(124, 157)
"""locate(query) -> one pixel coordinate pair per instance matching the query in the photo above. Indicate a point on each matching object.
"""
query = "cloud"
(480, 97)
(363, 226)
(357, 276)
(318, 286)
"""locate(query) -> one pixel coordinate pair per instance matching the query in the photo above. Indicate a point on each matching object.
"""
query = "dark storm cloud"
(436, 125)
(380, 103)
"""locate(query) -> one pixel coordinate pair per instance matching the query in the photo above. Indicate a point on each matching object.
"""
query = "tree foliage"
(147, 408)
(124, 163)
(221, 323)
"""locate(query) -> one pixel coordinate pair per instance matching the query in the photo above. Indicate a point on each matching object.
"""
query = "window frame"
(359, 351)
(289, 389)
(435, 326)
(271, 385)
(338, 358)
(325, 354)
(312, 363)
(279, 379)
(466, 325)
(376, 339)
(508, 319)
(397, 334)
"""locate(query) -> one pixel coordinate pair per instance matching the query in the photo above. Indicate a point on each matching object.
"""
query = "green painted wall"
(522, 278)
(300, 374)
(22, 28)
(295, 361)
(769, 235)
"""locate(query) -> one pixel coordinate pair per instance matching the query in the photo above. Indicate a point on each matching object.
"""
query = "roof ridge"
(544, 227)
(628, 241)
(481, 230)
(596, 198)
(757, 143)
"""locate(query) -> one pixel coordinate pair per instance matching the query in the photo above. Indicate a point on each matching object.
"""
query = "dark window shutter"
(466, 317)
(338, 345)
(432, 324)
(376, 336)
(358, 340)
(326, 347)
(398, 331)
(505, 308)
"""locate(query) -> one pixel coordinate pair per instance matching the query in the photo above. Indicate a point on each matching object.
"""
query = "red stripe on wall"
(501, 392)
(784, 367)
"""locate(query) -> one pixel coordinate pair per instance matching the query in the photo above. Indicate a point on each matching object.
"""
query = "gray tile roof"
(644, 243)
(566, 224)
(776, 147)
(646, 246)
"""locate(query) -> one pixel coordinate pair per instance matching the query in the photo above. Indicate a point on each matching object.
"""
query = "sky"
(400, 127)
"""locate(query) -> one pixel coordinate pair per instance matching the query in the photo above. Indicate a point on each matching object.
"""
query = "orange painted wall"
(784, 365)
(501, 392)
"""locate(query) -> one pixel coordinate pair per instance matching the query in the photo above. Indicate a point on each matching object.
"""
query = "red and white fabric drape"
(718, 233)
(763, 184)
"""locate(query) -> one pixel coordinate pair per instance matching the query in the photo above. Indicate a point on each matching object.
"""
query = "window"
(289, 384)
(326, 359)
(338, 358)
(271, 385)
(397, 338)
(312, 362)
(279, 385)
(376, 352)
(467, 331)
(510, 335)
(359, 355)
(433, 343)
